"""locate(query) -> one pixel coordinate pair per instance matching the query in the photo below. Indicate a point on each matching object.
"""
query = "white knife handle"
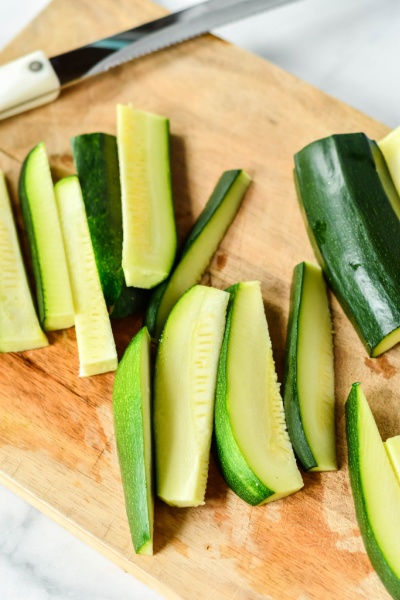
(26, 83)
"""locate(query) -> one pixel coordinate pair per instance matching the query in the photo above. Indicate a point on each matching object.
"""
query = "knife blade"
(34, 80)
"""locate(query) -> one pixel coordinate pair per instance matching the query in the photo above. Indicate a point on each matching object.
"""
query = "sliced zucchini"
(96, 346)
(132, 422)
(355, 233)
(184, 388)
(149, 238)
(42, 225)
(253, 445)
(309, 390)
(96, 160)
(376, 491)
(199, 247)
(392, 446)
(19, 325)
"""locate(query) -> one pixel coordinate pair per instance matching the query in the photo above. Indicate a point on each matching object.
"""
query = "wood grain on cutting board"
(228, 109)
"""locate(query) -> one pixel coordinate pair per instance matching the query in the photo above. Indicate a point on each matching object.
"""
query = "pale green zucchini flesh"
(96, 346)
(392, 446)
(43, 229)
(149, 232)
(309, 394)
(132, 423)
(390, 148)
(184, 390)
(19, 325)
(199, 247)
(376, 490)
(253, 444)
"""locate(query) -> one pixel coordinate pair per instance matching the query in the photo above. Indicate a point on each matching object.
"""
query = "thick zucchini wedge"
(96, 160)
(184, 389)
(96, 346)
(39, 210)
(253, 445)
(149, 244)
(392, 446)
(19, 325)
(199, 247)
(309, 385)
(355, 233)
(132, 423)
(376, 491)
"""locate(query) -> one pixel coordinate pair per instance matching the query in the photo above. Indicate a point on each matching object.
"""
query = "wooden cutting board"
(228, 109)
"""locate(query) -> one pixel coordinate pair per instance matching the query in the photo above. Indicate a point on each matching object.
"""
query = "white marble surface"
(349, 49)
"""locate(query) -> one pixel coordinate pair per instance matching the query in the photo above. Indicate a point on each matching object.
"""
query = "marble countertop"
(348, 49)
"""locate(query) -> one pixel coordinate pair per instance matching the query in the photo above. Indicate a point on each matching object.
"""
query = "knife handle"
(26, 83)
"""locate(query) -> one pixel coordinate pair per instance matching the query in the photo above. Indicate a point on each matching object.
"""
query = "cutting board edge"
(71, 527)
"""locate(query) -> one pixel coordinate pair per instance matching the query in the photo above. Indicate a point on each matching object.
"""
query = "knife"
(34, 79)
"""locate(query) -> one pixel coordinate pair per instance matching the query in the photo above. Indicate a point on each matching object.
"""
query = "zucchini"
(96, 346)
(149, 244)
(19, 325)
(253, 445)
(96, 161)
(390, 149)
(309, 394)
(355, 233)
(184, 388)
(199, 247)
(376, 491)
(392, 446)
(43, 229)
(132, 424)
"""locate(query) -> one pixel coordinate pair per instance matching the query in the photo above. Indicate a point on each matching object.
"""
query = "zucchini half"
(39, 210)
(309, 384)
(96, 346)
(19, 325)
(199, 247)
(253, 445)
(376, 491)
(132, 422)
(184, 390)
(355, 232)
(96, 161)
(149, 231)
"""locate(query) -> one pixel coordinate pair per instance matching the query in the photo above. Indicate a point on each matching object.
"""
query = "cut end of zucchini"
(388, 342)
(19, 325)
(376, 490)
(98, 367)
(309, 394)
(96, 346)
(149, 233)
(252, 441)
(392, 446)
(390, 148)
(45, 240)
(185, 377)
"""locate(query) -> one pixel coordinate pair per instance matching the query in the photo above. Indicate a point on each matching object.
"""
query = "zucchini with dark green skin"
(355, 233)
(309, 394)
(376, 491)
(96, 160)
(199, 247)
